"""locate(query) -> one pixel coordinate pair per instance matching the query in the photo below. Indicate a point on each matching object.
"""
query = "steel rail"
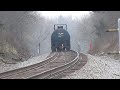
(24, 69)
(53, 71)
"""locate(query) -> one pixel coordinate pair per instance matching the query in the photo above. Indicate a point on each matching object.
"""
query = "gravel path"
(98, 68)
(34, 60)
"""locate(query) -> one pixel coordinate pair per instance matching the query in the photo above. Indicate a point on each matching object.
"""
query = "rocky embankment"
(98, 67)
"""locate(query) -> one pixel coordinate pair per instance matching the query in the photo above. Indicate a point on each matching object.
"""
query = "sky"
(55, 14)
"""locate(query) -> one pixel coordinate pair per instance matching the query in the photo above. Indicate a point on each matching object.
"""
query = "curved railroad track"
(12, 73)
(77, 66)
(53, 67)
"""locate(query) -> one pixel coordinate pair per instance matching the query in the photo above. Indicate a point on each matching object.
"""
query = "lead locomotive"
(60, 39)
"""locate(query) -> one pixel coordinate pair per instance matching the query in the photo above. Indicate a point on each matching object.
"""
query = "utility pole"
(119, 33)
(39, 48)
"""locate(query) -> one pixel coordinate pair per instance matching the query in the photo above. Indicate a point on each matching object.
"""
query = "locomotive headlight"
(60, 34)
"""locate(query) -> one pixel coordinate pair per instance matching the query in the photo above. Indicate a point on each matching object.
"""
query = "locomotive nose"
(60, 40)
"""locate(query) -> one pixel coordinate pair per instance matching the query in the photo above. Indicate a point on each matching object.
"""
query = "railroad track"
(64, 70)
(8, 74)
(77, 66)
(52, 67)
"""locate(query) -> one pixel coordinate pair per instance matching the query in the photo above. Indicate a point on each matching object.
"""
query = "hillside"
(105, 42)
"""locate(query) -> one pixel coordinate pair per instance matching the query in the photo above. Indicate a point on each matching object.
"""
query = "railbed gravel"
(98, 68)
(31, 61)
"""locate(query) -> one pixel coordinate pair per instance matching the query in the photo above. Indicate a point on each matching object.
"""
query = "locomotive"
(60, 39)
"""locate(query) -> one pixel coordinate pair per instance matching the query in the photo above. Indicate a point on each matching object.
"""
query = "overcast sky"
(54, 14)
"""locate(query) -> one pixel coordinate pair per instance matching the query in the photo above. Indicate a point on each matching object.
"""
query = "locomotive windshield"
(60, 26)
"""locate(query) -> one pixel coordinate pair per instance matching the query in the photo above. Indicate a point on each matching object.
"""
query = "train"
(60, 38)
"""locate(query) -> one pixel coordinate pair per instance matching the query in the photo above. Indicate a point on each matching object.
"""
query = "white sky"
(54, 14)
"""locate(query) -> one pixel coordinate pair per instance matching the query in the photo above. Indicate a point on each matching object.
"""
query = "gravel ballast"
(31, 61)
(97, 68)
